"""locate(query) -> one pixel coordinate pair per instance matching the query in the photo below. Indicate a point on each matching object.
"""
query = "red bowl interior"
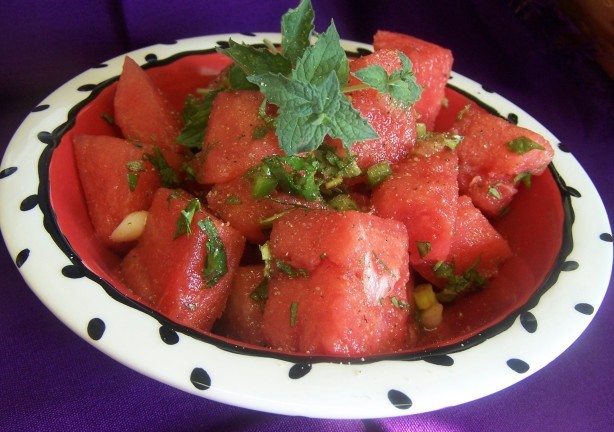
(533, 226)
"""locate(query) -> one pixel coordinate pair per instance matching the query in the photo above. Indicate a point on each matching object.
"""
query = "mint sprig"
(296, 28)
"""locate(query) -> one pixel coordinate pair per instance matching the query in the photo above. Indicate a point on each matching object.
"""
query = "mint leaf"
(324, 57)
(401, 84)
(184, 221)
(255, 61)
(216, 262)
(296, 28)
(169, 177)
(522, 145)
(308, 112)
(195, 117)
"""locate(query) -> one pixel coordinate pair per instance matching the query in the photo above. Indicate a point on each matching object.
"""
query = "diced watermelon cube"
(112, 189)
(422, 193)
(347, 294)
(475, 245)
(394, 123)
(236, 139)
(142, 111)
(167, 270)
(489, 171)
(242, 318)
(432, 65)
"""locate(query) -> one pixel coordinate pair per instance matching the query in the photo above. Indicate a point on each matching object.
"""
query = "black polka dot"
(585, 308)
(86, 87)
(29, 203)
(249, 34)
(399, 399)
(606, 237)
(41, 107)
(223, 44)
(7, 172)
(151, 57)
(570, 266)
(73, 272)
(22, 257)
(200, 379)
(168, 335)
(45, 138)
(96, 328)
(563, 148)
(487, 89)
(518, 365)
(528, 321)
(512, 118)
(299, 370)
(101, 66)
(440, 360)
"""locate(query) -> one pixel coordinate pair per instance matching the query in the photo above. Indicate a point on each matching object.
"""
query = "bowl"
(526, 317)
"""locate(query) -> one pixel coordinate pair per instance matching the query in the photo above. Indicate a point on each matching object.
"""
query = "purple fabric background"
(52, 380)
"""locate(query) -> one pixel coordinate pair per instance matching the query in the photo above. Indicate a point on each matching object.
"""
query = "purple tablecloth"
(52, 380)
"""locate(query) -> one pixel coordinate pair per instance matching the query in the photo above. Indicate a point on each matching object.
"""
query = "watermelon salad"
(304, 201)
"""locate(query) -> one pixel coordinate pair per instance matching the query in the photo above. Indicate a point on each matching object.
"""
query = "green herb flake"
(423, 248)
(522, 145)
(195, 115)
(293, 313)
(233, 199)
(169, 177)
(524, 177)
(492, 190)
(184, 221)
(134, 168)
(260, 294)
(469, 281)
(108, 118)
(288, 269)
(216, 263)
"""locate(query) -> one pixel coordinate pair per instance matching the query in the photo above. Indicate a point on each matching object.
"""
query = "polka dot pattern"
(29, 203)
(168, 335)
(73, 272)
(517, 365)
(584, 308)
(7, 172)
(528, 322)
(200, 379)
(399, 399)
(299, 370)
(96, 328)
(22, 257)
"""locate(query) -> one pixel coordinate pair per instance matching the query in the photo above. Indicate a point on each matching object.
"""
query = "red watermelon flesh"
(395, 124)
(432, 65)
(476, 244)
(351, 265)
(142, 111)
(242, 318)
(234, 203)
(422, 193)
(232, 143)
(489, 172)
(166, 271)
(103, 171)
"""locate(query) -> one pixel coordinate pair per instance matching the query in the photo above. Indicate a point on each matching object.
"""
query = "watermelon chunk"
(142, 111)
(339, 284)
(232, 143)
(166, 270)
(489, 171)
(422, 193)
(112, 189)
(395, 124)
(476, 248)
(432, 65)
(242, 318)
